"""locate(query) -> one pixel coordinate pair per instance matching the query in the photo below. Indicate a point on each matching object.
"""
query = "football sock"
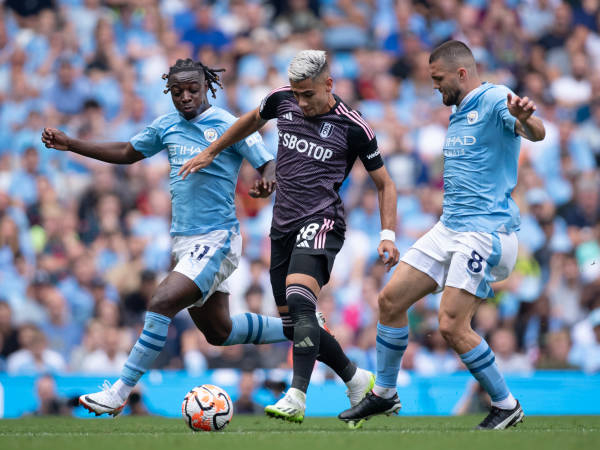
(287, 326)
(359, 378)
(250, 328)
(146, 349)
(508, 403)
(121, 389)
(303, 305)
(331, 353)
(481, 362)
(390, 345)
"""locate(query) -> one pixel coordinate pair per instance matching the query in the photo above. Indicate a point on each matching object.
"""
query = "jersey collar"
(470, 95)
(198, 118)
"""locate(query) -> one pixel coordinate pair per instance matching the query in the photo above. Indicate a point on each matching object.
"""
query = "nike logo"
(90, 400)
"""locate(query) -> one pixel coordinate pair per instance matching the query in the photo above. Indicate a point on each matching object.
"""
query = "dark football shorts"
(310, 250)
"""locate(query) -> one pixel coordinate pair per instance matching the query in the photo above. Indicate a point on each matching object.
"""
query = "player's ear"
(329, 84)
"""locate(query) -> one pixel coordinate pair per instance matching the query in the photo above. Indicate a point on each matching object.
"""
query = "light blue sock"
(250, 328)
(481, 362)
(146, 349)
(390, 345)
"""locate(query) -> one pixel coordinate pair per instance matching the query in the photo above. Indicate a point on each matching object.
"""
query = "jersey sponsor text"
(311, 149)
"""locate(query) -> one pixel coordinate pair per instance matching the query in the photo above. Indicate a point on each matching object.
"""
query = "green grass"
(261, 433)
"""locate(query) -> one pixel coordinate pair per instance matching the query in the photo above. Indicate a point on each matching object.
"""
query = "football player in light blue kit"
(473, 244)
(207, 243)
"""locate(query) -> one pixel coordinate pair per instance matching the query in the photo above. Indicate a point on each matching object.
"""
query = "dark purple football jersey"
(314, 156)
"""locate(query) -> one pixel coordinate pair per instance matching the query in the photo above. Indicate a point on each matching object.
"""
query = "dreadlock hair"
(189, 65)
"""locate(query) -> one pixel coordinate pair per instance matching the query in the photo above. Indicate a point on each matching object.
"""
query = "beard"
(450, 97)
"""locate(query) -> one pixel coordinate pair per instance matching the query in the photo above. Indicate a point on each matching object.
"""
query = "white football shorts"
(208, 260)
(464, 259)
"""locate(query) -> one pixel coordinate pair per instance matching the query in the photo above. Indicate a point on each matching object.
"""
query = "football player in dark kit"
(320, 138)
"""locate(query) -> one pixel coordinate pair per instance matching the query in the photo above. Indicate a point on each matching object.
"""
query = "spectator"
(8, 334)
(204, 32)
(69, 91)
(504, 345)
(62, 333)
(49, 403)
(109, 358)
(244, 403)
(34, 357)
(555, 351)
(587, 355)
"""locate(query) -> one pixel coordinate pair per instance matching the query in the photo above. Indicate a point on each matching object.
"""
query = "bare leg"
(213, 318)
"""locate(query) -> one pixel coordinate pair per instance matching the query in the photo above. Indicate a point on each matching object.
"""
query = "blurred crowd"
(84, 244)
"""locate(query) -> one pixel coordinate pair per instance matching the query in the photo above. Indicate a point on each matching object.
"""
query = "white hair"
(307, 64)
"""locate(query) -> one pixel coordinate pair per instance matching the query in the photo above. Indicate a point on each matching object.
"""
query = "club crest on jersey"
(210, 134)
(326, 129)
(472, 117)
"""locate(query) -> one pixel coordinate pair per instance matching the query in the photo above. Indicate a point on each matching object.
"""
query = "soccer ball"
(207, 408)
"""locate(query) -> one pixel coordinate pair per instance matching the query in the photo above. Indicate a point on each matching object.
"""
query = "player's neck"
(201, 109)
(330, 104)
(470, 87)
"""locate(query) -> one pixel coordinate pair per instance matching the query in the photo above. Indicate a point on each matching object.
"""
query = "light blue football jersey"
(204, 201)
(481, 153)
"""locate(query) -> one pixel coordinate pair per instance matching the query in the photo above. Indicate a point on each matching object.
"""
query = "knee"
(160, 304)
(390, 306)
(216, 337)
(451, 328)
(301, 306)
(386, 304)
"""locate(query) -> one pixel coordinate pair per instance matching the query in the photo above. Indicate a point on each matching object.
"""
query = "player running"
(320, 138)
(206, 239)
(473, 244)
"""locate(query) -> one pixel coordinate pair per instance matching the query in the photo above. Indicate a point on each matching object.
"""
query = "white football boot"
(290, 407)
(104, 402)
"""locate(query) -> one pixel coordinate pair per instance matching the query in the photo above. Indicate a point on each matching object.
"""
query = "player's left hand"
(262, 188)
(388, 253)
(200, 161)
(521, 108)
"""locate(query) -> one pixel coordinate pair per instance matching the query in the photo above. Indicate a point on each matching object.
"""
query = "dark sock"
(302, 303)
(331, 353)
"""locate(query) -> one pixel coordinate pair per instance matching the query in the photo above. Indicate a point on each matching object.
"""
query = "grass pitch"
(262, 433)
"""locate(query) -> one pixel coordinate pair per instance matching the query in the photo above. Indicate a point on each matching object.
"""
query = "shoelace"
(106, 386)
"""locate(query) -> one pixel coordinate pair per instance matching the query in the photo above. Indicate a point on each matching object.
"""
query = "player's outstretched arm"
(266, 185)
(111, 152)
(241, 128)
(386, 191)
(527, 125)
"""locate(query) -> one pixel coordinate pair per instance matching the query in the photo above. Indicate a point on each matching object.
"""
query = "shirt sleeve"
(148, 141)
(268, 107)
(253, 149)
(501, 108)
(362, 142)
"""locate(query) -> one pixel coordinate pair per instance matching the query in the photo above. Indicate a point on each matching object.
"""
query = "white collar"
(470, 95)
(197, 118)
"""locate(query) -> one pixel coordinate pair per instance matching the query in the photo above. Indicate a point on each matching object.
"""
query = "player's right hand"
(262, 188)
(388, 253)
(53, 138)
(198, 162)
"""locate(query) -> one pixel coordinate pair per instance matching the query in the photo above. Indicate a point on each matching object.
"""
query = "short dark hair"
(189, 65)
(452, 51)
